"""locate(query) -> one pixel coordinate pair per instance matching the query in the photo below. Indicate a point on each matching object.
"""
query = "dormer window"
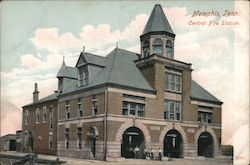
(169, 47)
(145, 48)
(158, 46)
(83, 76)
(60, 84)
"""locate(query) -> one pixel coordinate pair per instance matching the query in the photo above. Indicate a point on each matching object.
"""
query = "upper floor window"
(83, 76)
(79, 138)
(94, 105)
(44, 114)
(26, 117)
(135, 109)
(37, 115)
(173, 82)
(80, 107)
(60, 85)
(67, 109)
(133, 105)
(172, 110)
(169, 47)
(158, 46)
(205, 114)
(51, 117)
(66, 138)
(145, 48)
(205, 117)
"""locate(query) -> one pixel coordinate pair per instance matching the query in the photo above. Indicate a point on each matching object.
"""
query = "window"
(173, 82)
(50, 140)
(60, 85)
(79, 138)
(94, 105)
(172, 110)
(51, 118)
(67, 108)
(169, 46)
(205, 117)
(67, 138)
(44, 114)
(158, 46)
(135, 109)
(133, 105)
(83, 76)
(26, 117)
(80, 107)
(145, 48)
(26, 139)
(37, 115)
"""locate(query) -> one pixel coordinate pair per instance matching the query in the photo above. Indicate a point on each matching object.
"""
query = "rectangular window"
(83, 76)
(125, 108)
(94, 105)
(172, 110)
(37, 115)
(51, 118)
(26, 117)
(66, 138)
(205, 117)
(79, 138)
(50, 140)
(80, 107)
(67, 109)
(134, 109)
(44, 114)
(173, 82)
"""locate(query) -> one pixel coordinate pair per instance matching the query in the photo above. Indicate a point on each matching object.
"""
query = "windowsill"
(37, 122)
(176, 92)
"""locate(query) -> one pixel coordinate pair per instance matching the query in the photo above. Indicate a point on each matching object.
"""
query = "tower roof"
(157, 22)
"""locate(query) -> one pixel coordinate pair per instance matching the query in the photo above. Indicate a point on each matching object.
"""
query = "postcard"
(125, 81)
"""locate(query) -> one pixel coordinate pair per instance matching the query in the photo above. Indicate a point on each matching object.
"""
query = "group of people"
(148, 154)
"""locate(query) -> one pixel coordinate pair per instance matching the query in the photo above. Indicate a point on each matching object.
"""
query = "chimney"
(35, 94)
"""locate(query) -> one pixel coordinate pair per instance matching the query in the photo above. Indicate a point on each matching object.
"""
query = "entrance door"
(173, 145)
(133, 137)
(205, 145)
(92, 141)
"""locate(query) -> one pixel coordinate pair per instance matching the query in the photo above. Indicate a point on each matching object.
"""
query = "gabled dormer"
(158, 36)
(65, 75)
(88, 66)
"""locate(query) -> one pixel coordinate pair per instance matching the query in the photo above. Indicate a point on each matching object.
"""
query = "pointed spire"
(157, 22)
(63, 61)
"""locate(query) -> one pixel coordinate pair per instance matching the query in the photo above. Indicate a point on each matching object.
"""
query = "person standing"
(136, 151)
(160, 153)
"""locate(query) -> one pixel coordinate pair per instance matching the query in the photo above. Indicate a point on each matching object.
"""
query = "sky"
(35, 35)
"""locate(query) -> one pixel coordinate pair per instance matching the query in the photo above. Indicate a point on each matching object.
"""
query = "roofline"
(37, 103)
(209, 101)
(157, 33)
(108, 85)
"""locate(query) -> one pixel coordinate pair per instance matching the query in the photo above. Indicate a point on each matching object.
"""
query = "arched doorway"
(173, 144)
(91, 137)
(132, 137)
(205, 145)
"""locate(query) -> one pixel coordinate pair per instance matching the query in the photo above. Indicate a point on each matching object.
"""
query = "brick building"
(109, 105)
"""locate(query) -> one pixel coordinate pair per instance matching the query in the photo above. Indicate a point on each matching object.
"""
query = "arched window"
(158, 46)
(145, 48)
(169, 46)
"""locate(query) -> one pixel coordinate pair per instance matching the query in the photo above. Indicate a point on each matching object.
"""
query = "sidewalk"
(75, 161)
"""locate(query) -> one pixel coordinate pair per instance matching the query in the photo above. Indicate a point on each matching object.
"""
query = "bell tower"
(158, 36)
